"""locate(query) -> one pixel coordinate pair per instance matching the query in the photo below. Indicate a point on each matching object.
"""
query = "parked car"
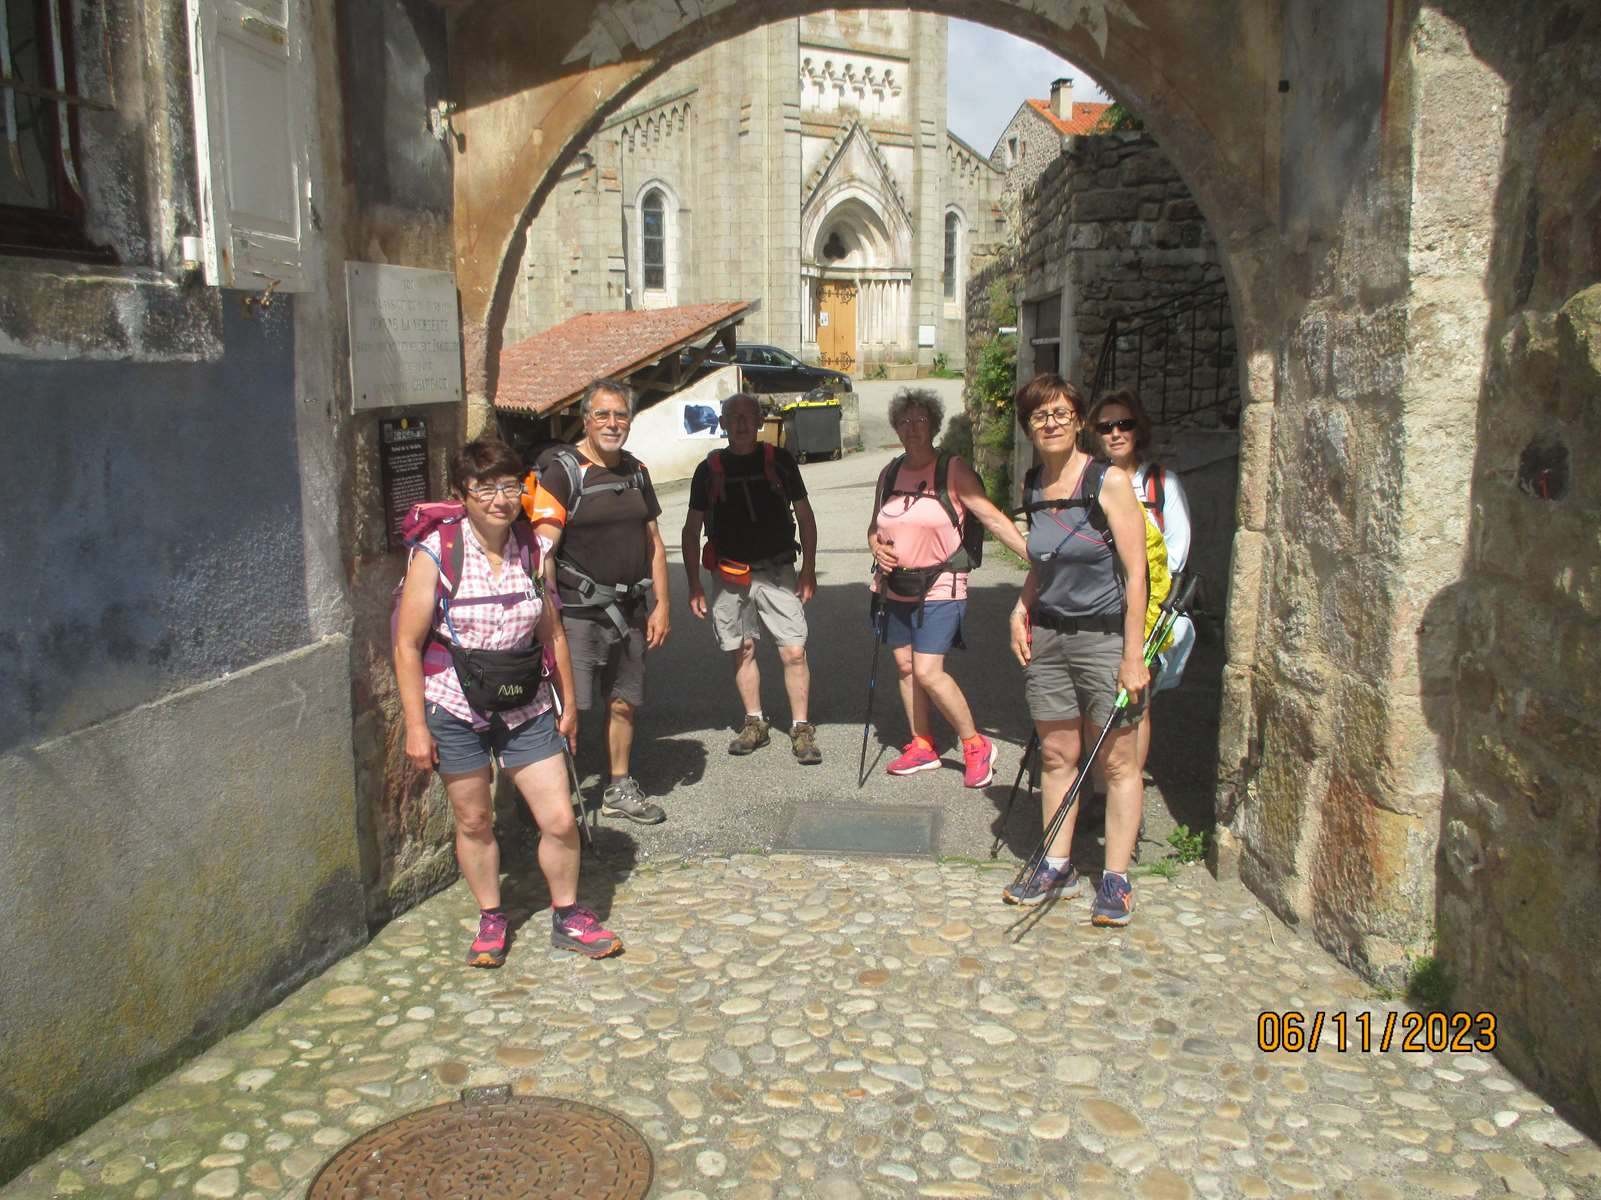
(769, 369)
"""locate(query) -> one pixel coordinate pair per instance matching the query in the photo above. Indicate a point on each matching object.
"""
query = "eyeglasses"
(614, 417)
(485, 493)
(1040, 417)
(1126, 425)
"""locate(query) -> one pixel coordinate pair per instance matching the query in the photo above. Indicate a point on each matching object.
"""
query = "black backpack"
(970, 553)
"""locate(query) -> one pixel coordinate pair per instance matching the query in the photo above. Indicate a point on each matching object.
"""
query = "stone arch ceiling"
(533, 80)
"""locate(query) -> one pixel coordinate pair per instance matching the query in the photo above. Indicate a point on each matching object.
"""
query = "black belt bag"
(498, 680)
(1105, 623)
(914, 582)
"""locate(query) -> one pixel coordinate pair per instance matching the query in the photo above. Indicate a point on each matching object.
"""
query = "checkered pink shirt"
(488, 614)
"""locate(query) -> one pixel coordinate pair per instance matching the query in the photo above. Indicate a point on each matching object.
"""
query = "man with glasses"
(595, 504)
(750, 498)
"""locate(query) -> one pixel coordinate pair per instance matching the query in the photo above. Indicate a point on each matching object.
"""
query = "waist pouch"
(914, 582)
(498, 680)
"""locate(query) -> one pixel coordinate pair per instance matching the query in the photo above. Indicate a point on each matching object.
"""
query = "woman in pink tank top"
(920, 576)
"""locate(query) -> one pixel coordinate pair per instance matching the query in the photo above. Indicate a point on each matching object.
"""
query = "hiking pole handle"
(1186, 594)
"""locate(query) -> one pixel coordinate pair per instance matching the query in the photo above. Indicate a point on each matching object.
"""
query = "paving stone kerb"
(794, 1026)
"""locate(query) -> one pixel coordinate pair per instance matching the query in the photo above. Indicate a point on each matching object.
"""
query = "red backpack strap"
(717, 482)
(1156, 493)
(770, 469)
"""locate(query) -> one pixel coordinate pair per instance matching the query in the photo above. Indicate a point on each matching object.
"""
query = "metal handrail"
(1170, 312)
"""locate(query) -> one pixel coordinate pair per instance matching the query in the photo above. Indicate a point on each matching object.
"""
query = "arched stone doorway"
(1351, 161)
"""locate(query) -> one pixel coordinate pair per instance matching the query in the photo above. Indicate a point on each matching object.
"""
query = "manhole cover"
(533, 1148)
(902, 829)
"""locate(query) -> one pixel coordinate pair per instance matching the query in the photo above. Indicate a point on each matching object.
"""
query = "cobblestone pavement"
(795, 1026)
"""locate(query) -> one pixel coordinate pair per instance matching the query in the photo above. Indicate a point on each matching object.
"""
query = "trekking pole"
(1029, 766)
(878, 619)
(1164, 625)
(576, 799)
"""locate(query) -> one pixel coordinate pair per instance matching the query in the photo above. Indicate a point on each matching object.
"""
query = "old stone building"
(1034, 139)
(806, 164)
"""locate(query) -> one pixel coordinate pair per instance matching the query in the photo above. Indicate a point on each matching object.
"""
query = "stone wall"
(1511, 649)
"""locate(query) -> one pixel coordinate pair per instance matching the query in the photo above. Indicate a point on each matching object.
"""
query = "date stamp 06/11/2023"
(1409, 1032)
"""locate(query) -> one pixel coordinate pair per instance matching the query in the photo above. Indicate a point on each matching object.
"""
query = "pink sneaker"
(917, 755)
(583, 932)
(489, 947)
(979, 760)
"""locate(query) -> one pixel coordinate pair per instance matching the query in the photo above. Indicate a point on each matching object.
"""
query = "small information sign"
(405, 336)
(402, 469)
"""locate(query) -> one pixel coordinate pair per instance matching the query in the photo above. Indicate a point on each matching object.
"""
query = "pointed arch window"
(953, 234)
(653, 239)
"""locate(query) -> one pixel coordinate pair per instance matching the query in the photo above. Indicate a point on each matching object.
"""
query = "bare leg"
(1125, 796)
(1060, 744)
(747, 675)
(477, 852)
(935, 683)
(911, 701)
(1145, 738)
(797, 679)
(619, 735)
(543, 787)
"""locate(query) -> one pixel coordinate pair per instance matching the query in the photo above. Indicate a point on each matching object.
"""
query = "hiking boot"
(581, 931)
(752, 736)
(803, 741)
(1046, 883)
(624, 799)
(489, 947)
(1114, 902)
(916, 755)
(978, 763)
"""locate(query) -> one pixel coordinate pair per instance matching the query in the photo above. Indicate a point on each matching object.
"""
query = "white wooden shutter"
(251, 79)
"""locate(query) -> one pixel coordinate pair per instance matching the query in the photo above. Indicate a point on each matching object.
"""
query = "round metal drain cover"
(529, 1148)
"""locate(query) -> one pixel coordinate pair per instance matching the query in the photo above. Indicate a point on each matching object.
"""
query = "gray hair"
(730, 401)
(613, 387)
(923, 398)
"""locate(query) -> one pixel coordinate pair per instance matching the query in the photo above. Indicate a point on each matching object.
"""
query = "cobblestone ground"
(807, 1027)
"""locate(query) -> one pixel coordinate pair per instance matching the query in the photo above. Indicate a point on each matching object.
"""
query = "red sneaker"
(583, 932)
(979, 762)
(489, 947)
(917, 755)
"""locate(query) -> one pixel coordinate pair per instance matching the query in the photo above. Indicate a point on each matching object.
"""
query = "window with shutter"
(251, 141)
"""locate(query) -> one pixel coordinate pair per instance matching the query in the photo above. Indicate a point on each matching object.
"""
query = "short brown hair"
(483, 458)
(1041, 390)
(1142, 422)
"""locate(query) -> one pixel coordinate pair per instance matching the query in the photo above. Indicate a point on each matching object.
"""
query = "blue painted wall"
(153, 535)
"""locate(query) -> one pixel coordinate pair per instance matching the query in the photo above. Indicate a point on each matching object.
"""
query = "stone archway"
(1352, 163)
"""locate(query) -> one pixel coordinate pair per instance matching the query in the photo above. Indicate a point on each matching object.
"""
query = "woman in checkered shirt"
(498, 604)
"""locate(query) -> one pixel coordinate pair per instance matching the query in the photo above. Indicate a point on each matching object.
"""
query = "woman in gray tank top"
(1078, 630)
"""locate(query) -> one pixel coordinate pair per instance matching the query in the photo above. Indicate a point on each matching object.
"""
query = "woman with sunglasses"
(914, 540)
(1078, 630)
(496, 605)
(1122, 435)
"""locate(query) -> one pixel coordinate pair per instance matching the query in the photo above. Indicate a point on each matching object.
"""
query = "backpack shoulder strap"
(1031, 484)
(942, 476)
(1094, 481)
(1156, 492)
(452, 551)
(770, 469)
(886, 481)
(717, 476)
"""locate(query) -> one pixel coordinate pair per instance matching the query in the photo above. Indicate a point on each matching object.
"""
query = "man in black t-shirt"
(751, 500)
(596, 505)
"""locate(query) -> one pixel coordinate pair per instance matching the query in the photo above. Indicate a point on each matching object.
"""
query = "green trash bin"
(812, 429)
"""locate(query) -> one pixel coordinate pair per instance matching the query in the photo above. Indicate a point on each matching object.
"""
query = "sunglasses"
(1126, 425)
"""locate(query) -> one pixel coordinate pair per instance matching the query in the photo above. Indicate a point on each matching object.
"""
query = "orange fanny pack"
(731, 571)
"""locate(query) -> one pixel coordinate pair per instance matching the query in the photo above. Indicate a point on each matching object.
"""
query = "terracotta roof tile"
(550, 369)
(1085, 116)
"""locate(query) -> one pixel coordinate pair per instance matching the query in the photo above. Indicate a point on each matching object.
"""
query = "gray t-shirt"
(1071, 551)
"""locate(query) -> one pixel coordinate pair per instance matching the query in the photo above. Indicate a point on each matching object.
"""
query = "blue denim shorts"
(931, 628)
(463, 749)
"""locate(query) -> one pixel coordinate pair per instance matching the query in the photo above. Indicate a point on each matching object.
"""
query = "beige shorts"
(770, 601)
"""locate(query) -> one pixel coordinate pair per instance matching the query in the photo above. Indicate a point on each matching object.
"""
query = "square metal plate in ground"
(907, 830)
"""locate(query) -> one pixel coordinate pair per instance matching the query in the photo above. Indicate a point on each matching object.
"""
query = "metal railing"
(1158, 353)
(59, 95)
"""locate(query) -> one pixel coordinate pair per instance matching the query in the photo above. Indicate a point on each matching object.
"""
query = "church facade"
(807, 165)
